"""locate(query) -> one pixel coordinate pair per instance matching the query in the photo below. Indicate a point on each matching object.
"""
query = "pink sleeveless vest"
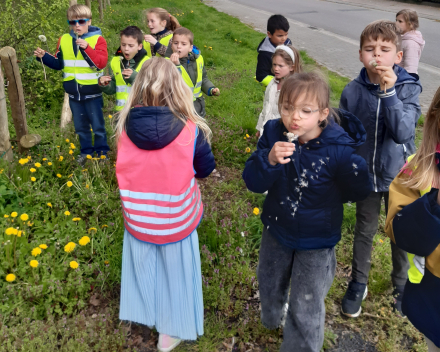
(161, 200)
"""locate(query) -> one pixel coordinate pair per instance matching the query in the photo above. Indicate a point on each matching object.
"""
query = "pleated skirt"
(161, 286)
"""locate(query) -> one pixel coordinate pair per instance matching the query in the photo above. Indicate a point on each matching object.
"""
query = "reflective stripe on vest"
(123, 89)
(76, 68)
(416, 263)
(164, 41)
(197, 89)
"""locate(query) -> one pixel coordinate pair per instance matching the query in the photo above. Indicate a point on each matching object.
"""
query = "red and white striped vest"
(161, 200)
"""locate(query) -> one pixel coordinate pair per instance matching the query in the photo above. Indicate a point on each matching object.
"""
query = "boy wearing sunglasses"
(82, 56)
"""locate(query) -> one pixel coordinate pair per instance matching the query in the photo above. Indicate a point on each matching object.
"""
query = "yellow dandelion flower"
(19, 233)
(70, 151)
(106, 262)
(235, 39)
(37, 164)
(69, 247)
(256, 211)
(76, 219)
(205, 46)
(87, 186)
(381, 240)
(247, 135)
(30, 223)
(11, 231)
(23, 161)
(43, 246)
(74, 265)
(24, 217)
(110, 116)
(67, 140)
(33, 179)
(69, 184)
(49, 205)
(84, 240)
(36, 251)
(104, 226)
(44, 159)
(14, 214)
(94, 229)
(6, 216)
(32, 170)
(244, 138)
(67, 213)
(33, 263)
(61, 158)
(72, 146)
(70, 176)
(89, 156)
(59, 175)
(103, 157)
(248, 150)
(10, 277)
(49, 163)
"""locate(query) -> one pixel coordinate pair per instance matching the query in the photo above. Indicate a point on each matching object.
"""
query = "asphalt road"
(329, 31)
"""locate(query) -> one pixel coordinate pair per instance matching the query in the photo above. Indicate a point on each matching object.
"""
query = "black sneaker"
(397, 300)
(351, 303)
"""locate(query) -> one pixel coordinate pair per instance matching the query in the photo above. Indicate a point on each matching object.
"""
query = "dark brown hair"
(186, 32)
(297, 66)
(411, 18)
(385, 29)
(164, 15)
(134, 32)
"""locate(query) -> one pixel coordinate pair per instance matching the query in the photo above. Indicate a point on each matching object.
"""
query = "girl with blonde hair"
(163, 145)
(413, 224)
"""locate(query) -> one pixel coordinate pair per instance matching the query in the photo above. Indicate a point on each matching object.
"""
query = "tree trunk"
(89, 4)
(101, 10)
(66, 113)
(5, 145)
(8, 57)
(73, 2)
(108, 3)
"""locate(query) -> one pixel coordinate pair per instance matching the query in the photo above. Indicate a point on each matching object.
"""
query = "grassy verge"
(229, 234)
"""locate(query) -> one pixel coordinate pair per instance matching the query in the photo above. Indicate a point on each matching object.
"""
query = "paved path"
(330, 30)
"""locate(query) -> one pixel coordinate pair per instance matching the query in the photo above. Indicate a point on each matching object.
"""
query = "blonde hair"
(411, 18)
(423, 168)
(76, 12)
(159, 83)
(164, 15)
(297, 66)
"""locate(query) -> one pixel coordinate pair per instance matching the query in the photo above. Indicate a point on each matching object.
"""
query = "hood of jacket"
(415, 36)
(92, 31)
(402, 77)
(266, 45)
(152, 127)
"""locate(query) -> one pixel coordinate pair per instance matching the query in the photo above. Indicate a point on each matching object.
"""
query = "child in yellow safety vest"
(161, 25)
(82, 56)
(125, 66)
(190, 63)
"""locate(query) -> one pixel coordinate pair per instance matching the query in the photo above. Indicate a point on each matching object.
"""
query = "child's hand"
(104, 80)
(150, 39)
(279, 151)
(82, 43)
(127, 73)
(387, 77)
(258, 134)
(215, 91)
(39, 53)
(175, 58)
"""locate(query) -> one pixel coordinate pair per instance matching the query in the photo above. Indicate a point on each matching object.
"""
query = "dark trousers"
(367, 217)
(88, 113)
(309, 274)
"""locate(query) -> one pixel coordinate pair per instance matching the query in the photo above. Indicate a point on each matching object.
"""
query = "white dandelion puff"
(355, 166)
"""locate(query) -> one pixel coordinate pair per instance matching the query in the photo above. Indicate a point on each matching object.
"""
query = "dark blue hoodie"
(304, 205)
(154, 127)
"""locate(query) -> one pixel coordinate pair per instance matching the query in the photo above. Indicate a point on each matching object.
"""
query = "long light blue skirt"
(162, 286)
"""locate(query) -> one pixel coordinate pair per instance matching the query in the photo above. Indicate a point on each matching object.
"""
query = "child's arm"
(107, 84)
(413, 222)
(207, 86)
(352, 177)
(96, 57)
(412, 56)
(204, 162)
(54, 62)
(264, 68)
(263, 114)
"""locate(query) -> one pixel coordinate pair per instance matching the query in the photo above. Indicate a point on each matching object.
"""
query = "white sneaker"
(167, 343)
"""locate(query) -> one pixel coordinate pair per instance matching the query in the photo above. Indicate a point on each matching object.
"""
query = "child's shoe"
(167, 343)
(397, 300)
(352, 301)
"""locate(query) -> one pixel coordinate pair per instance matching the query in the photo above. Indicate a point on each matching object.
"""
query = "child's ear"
(360, 55)
(163, 23)
(269, 34)
(324, 114)
(399, 57)
(191, 48)
(140, 46)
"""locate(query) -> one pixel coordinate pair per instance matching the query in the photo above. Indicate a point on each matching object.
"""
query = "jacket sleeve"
(401, 115)
(204, 162)
(160, 49)
(411, 56)
(352, 177)
(259, 175)
(207, 85)
(413, 222)
(110, 88)
(343, 101)
(54, 62)
(263, 114)
(98, 56)
(264, 68)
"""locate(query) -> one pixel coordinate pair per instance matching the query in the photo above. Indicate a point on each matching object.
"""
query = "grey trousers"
(309, 274)
(367, 222)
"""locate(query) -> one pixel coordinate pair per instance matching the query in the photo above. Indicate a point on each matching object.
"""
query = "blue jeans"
(309, 275)
(88, 113)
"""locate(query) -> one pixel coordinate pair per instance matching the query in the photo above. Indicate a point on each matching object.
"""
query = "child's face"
(279, 37)
(280, 67)
(303, 118)
(181, 45)
(384, 52)
(155, 24)
(129, 47)
(80, 28)
(401, 24)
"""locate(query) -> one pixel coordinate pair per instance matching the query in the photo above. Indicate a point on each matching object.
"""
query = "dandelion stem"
(44, 70)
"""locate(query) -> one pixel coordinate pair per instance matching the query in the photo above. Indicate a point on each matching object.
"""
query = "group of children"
(310, 159)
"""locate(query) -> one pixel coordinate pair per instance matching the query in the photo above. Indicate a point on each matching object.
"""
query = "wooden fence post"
(108, 3)
(5, 144)
(89, 3)
(15, 92)
(101, 10)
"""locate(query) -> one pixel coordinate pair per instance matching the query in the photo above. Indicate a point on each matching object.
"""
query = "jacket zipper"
(375, 145)
(76, 58)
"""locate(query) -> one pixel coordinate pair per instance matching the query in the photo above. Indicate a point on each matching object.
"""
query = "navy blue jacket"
(266, 50)
(390, 120)
(154, 127)
(304, 204)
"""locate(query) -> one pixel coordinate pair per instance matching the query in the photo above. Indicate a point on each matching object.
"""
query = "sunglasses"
(81, 22)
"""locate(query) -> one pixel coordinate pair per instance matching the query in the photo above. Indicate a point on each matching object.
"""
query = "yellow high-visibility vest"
(197, 88)
(164, 41)
(76, 68)
(123, 88)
